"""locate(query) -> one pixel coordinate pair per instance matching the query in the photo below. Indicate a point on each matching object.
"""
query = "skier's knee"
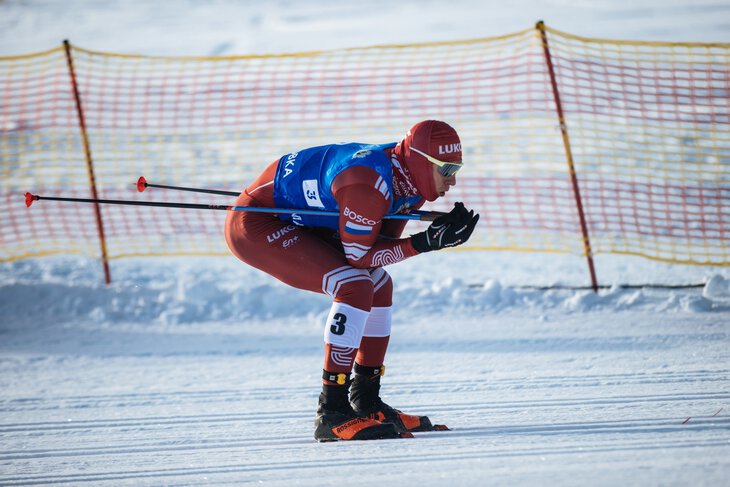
(382, 287)
(350, 286)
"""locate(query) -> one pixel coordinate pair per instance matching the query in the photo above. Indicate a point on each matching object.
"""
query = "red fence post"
(89, 161)
(540, 26)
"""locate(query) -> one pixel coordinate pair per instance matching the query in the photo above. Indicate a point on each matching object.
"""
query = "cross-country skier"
(344, 257)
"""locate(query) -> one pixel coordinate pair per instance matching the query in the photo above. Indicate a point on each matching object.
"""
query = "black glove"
(448, 230)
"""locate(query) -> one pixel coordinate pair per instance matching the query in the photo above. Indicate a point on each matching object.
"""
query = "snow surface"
(204, 371)
(207, 371)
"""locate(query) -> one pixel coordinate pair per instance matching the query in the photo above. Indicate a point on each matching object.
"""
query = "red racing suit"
(344, 265)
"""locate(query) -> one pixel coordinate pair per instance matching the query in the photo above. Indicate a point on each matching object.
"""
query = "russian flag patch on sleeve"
(357, 229)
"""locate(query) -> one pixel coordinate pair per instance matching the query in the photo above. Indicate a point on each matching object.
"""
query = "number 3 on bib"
(345, 325)
(338, 327)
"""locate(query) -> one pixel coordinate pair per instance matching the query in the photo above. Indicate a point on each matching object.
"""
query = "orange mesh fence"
(647, 124)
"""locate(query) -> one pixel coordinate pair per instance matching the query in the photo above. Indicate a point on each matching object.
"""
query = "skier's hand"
(448, 230)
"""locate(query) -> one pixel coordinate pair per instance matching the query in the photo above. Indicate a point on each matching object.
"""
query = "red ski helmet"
(435, 139)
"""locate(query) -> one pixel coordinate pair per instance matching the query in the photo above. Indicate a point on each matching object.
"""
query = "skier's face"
(442, 183)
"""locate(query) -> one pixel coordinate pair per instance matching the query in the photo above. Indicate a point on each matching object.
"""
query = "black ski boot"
(336, 420)
(365, 399)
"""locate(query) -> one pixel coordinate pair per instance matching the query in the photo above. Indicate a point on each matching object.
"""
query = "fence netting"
(647, 125)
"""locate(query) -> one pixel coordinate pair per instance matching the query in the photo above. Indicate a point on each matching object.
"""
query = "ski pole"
(142, 184)
(30, 198)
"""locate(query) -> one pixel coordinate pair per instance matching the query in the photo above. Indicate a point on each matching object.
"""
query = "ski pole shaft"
(30, 198)
(142, 184)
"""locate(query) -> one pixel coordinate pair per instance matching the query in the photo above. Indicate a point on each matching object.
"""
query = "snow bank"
(179, 291)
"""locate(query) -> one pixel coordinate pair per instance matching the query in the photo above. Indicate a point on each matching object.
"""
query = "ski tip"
(441, 427)
(141, 184)
(29, 199)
